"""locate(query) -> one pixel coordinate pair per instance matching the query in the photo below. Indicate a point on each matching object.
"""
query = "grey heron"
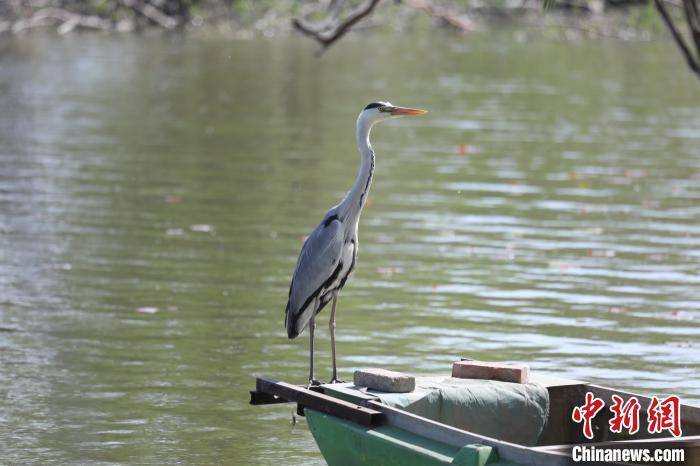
(328, 255)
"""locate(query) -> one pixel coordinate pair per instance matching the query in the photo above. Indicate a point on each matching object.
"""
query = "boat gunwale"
(382, 414)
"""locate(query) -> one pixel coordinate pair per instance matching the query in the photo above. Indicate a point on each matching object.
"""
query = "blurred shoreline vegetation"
(326, 21)
(626, 19)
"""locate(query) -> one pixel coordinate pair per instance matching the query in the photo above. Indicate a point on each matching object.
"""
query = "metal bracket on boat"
(269, 391)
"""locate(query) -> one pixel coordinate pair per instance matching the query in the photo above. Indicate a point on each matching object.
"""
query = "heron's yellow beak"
(407, 111)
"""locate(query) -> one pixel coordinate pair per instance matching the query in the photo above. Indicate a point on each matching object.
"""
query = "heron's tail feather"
(290, 323)
(296, 320)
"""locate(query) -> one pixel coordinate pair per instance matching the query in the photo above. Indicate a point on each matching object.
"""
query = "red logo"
(661, 415)
(625, 414)
(664, 415)
(587, 412)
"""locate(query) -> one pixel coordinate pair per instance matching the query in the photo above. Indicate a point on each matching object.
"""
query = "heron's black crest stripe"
(374, 105)
(330, 219)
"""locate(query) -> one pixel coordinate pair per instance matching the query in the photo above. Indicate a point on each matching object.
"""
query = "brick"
(384, 380)
(490, 371)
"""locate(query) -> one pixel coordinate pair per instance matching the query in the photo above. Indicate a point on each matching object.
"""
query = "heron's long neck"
(351, 207)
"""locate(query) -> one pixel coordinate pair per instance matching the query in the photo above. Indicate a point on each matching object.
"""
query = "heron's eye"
(384, 108)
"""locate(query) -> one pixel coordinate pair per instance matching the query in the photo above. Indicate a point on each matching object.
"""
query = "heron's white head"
(380, 111)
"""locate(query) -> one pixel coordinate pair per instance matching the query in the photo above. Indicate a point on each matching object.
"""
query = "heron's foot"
(336, 380)
(313, 383)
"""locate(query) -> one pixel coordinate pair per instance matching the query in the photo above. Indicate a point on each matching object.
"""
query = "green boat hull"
(343, 443)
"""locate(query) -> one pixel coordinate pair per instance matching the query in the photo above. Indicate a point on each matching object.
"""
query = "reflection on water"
(154, 195)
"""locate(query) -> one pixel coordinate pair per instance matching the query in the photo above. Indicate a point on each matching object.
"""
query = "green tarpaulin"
(507, 411)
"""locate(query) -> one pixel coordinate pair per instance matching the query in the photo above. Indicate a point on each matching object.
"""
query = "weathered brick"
(384, 380)
(490, 371)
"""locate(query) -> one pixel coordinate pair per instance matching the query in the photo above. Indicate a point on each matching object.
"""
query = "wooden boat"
(353, 426)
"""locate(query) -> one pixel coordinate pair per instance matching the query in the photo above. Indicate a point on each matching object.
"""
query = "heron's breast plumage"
(349, 259)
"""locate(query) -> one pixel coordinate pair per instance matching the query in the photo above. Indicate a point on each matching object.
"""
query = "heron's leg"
(312, 327)
(331, 328)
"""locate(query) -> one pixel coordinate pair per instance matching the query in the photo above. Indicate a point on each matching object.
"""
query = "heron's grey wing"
(317, 266)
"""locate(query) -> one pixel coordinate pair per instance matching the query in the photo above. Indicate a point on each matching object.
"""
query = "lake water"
(155, 191)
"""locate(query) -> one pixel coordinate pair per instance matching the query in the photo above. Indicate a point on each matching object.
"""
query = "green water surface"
(155, 191)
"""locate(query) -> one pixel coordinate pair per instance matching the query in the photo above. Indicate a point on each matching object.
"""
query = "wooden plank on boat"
(367, 417)
(262, 398)
(348, 392)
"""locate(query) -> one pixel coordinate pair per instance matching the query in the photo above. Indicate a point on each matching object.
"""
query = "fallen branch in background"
(448, 17)
(170, 14)
(693, 19)
(692, 15)
(152, 13)
(68, 20)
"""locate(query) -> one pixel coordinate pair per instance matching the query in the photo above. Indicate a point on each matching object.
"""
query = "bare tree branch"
(327, 33)
(692, 16)
(68, 20)
(678, 37)
(334, 7)
(327, 38)
(675, 3)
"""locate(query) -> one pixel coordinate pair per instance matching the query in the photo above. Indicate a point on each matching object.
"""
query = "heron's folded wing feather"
(319, 259)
